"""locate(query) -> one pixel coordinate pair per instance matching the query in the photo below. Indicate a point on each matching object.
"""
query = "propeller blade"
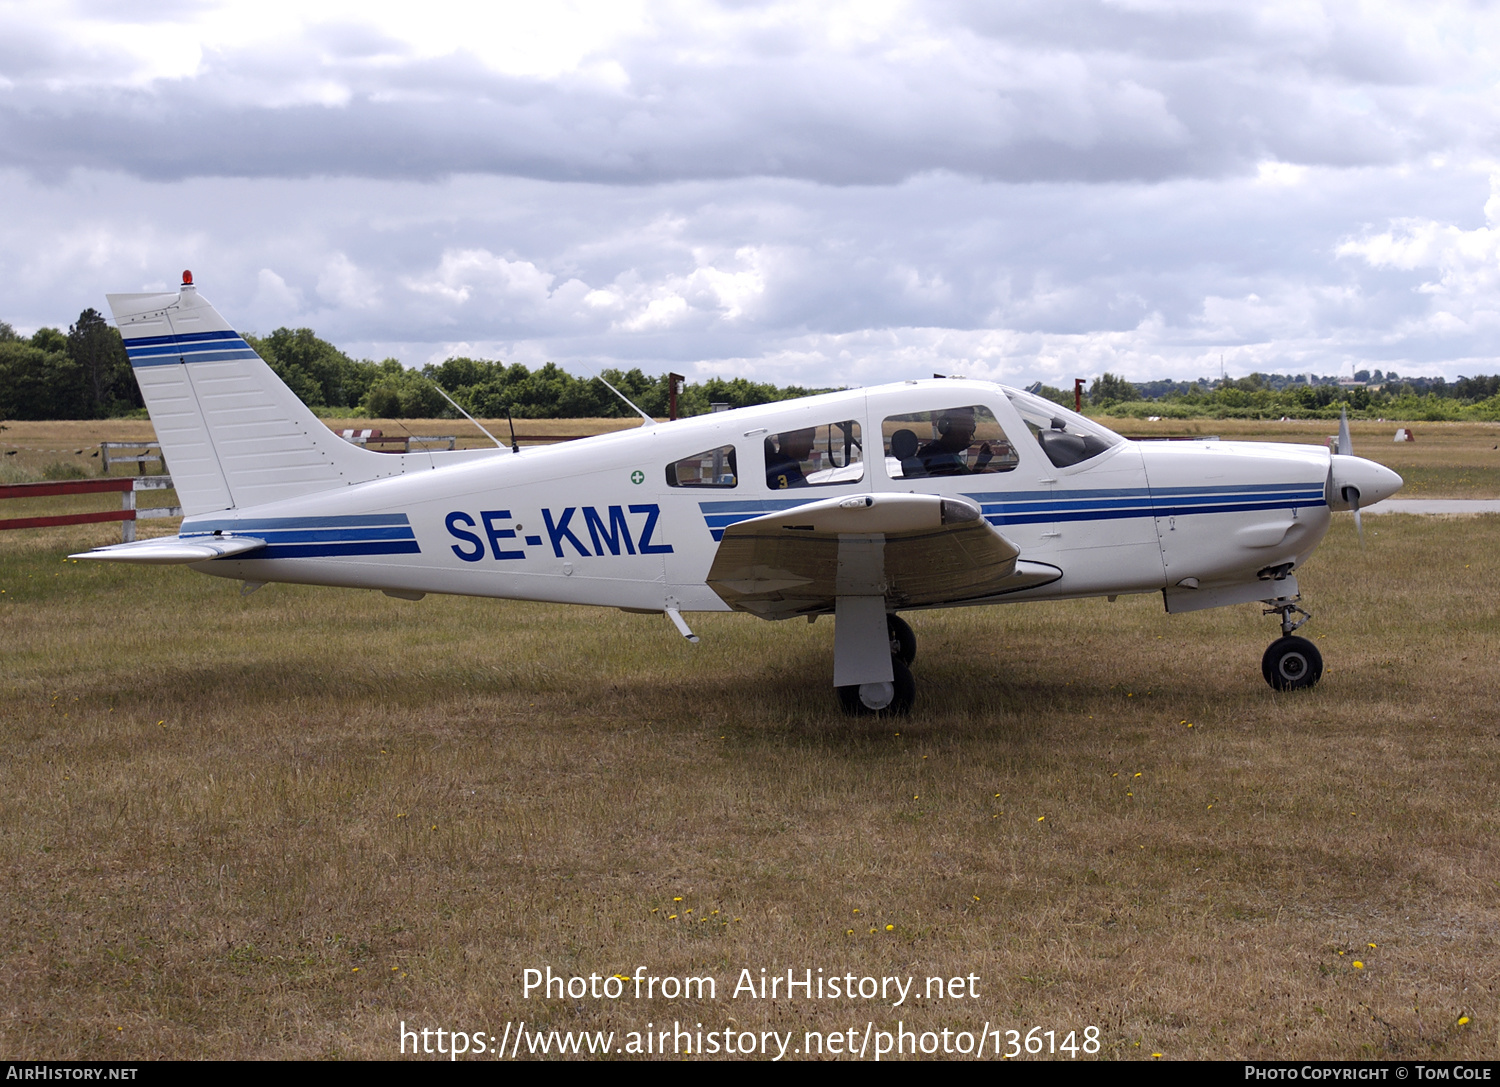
(1346, 447)
(1351, 495)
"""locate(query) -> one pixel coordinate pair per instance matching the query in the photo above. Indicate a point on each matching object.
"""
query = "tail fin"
(230, 430)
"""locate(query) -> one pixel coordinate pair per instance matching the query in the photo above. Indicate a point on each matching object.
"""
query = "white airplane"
(856, 504)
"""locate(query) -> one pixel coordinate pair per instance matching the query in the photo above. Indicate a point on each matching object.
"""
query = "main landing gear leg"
(868, 672)
(1290, 663)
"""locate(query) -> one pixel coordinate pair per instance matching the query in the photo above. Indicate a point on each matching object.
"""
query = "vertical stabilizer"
(231, 431)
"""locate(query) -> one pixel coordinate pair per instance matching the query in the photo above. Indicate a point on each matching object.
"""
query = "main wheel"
(903, 641)
(881, 699)
(1292, 664)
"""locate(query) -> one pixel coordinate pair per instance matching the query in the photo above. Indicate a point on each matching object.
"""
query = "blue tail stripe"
(186, 337)
(272, 524)
(333, 535)
(193, 347)
(329, 550)
(196, 356)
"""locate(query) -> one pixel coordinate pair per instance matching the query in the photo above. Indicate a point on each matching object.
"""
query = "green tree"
(49, 339)
(37, 383)
(1048, 392)
(1109, 389)
(96, 348)
(318, 372)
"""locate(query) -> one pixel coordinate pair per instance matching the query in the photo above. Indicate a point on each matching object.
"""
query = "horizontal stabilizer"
(174, 550)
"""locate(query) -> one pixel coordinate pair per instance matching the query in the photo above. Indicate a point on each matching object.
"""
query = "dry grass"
(216, 808)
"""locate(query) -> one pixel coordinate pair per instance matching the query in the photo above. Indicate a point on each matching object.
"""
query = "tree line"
(85, 374)
(1272, 396)
(81, 375)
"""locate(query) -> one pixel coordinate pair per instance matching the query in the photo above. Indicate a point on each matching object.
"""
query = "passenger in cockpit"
(784, 464)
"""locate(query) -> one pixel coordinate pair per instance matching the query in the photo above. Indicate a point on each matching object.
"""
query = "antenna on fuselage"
(648, 420)
(467, 416)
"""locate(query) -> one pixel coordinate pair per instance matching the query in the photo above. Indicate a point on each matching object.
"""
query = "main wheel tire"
(1292, 664)
(892, 699)
(903, 641)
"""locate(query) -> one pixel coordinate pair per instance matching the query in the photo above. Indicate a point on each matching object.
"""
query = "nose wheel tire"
(892, 699)
(903, 641)
(1292, 664)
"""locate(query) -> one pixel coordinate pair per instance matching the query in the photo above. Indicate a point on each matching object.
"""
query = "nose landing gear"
(1291, 663)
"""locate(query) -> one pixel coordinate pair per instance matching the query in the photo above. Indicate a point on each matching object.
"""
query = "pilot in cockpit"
(947, 454)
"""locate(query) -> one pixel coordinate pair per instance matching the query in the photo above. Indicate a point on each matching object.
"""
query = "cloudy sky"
(825, 194)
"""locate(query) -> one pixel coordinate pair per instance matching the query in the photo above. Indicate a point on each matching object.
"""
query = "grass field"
(281, 825)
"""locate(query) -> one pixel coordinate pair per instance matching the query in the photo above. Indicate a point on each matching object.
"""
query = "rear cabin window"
(710, 468)
(960, 441)
(816, 456)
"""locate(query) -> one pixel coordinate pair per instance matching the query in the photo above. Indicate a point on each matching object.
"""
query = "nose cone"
(1373, 482)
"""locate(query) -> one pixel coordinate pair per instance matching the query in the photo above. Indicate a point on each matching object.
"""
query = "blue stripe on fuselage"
(1032, 507)
(1026, 507)
(720, 515)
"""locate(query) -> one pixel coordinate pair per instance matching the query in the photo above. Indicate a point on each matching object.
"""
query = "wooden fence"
(127, 514)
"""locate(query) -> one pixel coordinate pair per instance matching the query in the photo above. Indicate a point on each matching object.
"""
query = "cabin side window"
(710, 468)
(958, 441)
(815, 456)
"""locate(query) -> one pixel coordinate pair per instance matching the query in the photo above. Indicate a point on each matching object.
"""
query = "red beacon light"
(187, 278)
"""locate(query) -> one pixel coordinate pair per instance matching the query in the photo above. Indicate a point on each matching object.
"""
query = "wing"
(170, 550)
(912, 549)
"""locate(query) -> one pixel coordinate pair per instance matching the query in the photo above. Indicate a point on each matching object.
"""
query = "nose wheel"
(1291, 663)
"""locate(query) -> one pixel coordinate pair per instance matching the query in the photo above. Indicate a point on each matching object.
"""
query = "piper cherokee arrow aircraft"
(857, 504)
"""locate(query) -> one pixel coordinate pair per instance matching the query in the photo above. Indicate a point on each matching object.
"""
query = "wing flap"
(174, 550)
(914, 550)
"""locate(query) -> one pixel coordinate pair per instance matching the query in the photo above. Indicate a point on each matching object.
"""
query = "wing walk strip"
(1027, 507)
(316, 537)
(192, 347)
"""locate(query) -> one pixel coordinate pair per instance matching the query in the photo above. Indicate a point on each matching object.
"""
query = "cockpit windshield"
(1065, 436)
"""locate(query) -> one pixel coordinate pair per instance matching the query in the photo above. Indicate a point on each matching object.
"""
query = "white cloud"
(344, 284)
(463, 272)
(272, 293)
(1464, 294)
(816, 194)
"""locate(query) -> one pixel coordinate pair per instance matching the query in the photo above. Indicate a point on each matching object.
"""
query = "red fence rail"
(127, 513)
